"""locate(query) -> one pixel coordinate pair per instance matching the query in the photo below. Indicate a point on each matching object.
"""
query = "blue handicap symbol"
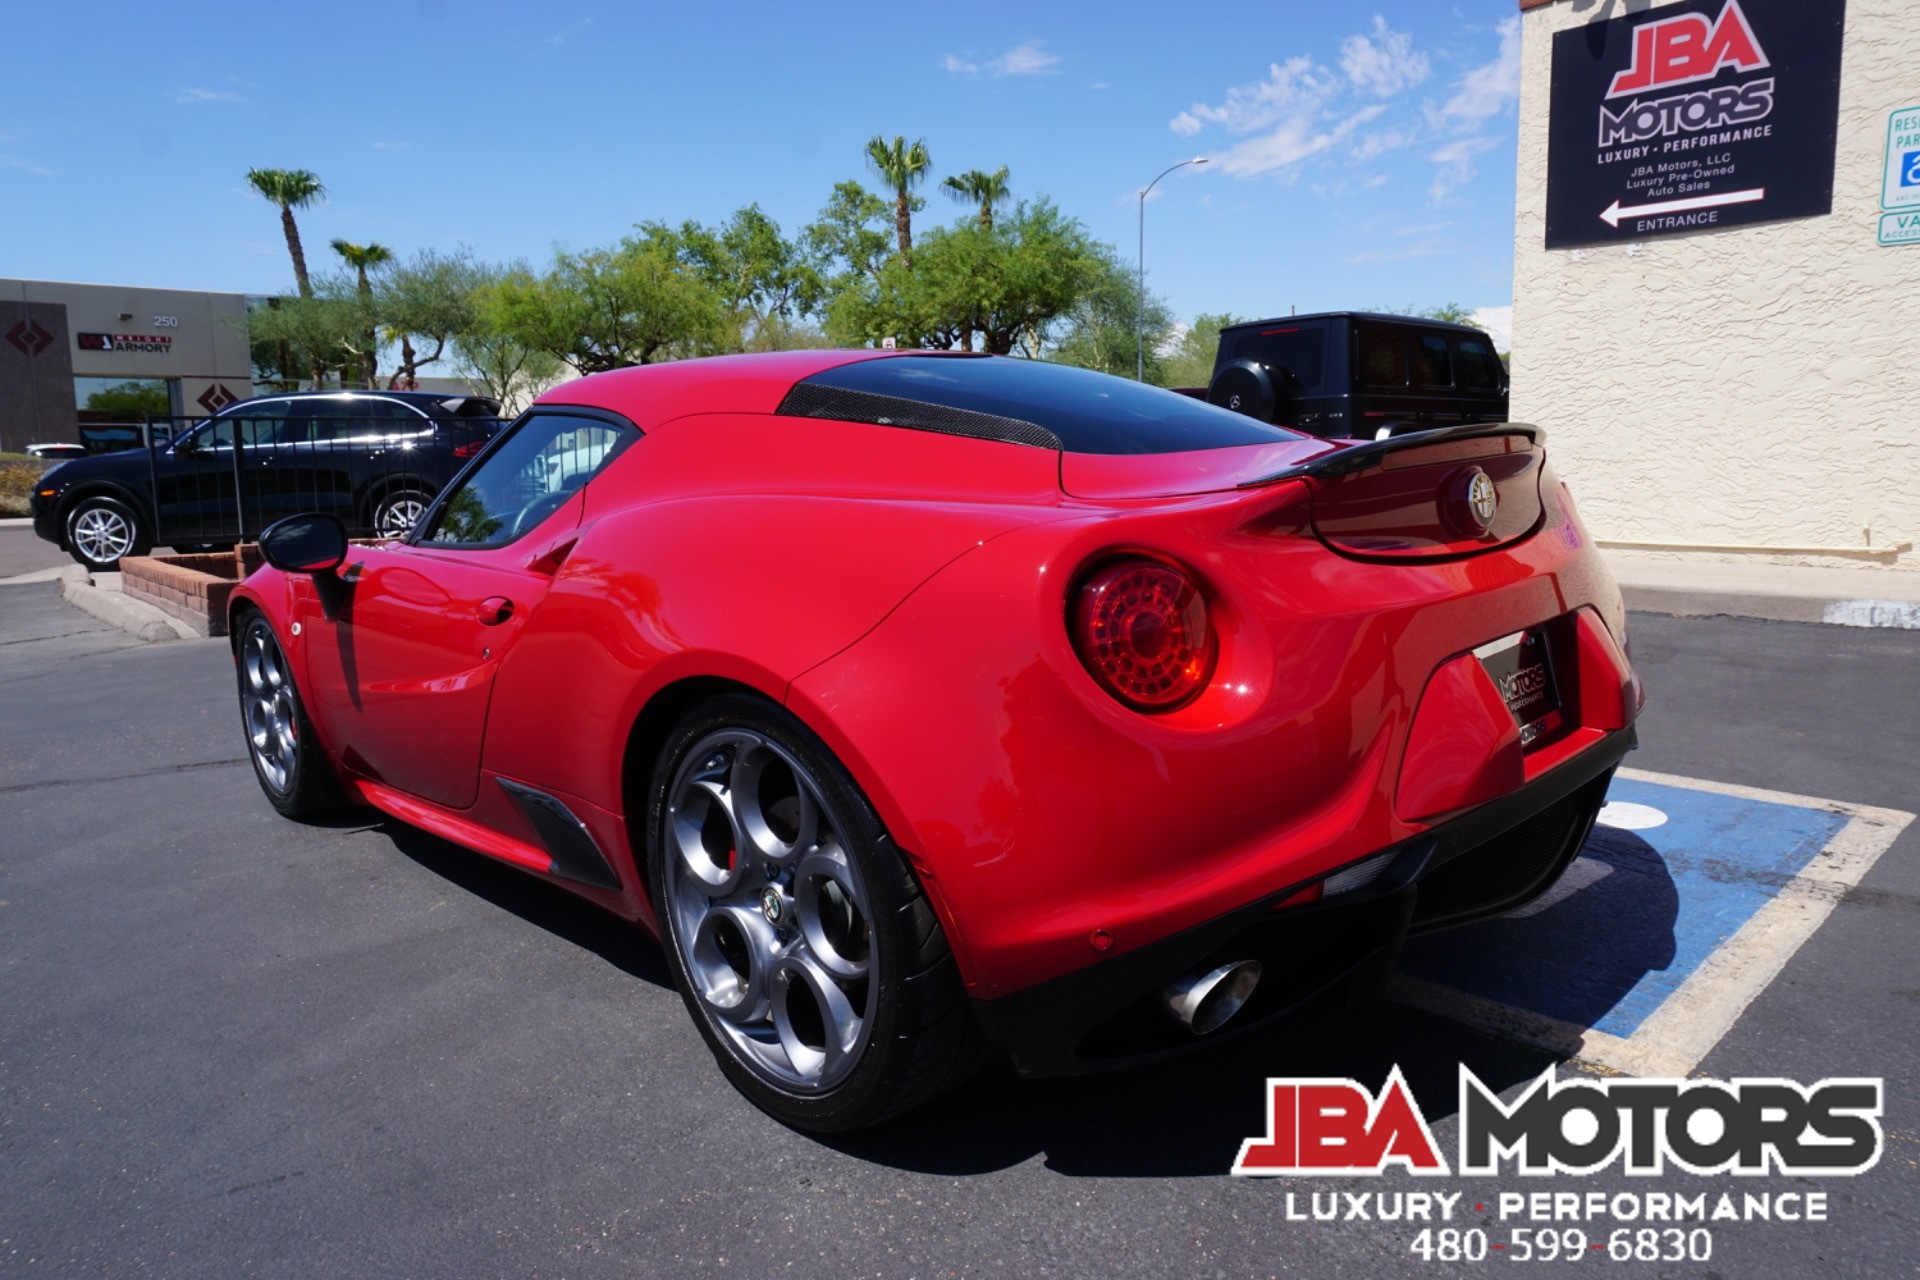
(1653, 905)
(1910, 169)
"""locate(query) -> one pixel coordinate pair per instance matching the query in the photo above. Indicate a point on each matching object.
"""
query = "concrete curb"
(116, 610)
(1685, 602)
(17, 522)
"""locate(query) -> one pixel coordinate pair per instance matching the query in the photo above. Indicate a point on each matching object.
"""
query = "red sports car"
(936, 707)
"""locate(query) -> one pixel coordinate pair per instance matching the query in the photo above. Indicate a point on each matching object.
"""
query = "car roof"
(1378, 317)
(424, 400)
(653, 393)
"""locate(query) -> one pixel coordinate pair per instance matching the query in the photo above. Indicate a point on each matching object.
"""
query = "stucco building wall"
(1751, 393)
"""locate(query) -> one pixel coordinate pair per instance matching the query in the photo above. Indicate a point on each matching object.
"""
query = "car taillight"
(468, 449)
(1141, 627)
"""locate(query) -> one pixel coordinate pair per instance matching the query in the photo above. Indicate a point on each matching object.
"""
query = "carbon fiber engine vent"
(811, 400)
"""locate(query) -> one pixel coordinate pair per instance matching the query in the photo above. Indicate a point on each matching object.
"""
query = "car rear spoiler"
(1361, 456)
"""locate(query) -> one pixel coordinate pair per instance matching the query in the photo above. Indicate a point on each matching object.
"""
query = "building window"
(105, 400)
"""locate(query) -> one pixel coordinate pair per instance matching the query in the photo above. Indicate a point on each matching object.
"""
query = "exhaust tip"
(1203, 1002)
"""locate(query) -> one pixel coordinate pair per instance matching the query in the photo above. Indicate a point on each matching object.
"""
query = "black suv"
(1349, 373)
(375, 459)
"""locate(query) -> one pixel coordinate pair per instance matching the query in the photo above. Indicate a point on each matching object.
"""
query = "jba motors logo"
(1317, 1127)
(1688, 48)
(1682, 50)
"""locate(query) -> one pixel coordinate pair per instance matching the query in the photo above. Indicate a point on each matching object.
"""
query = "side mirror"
(305, 544)
(313, 545)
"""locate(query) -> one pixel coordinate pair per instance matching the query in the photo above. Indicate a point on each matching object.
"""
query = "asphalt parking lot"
(231, 1045)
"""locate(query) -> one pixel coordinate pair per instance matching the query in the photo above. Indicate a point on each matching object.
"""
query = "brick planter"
(193, 588)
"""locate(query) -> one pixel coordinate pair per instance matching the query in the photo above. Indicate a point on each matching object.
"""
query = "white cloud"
(1384, 63)
(1298, 137)
(189, 96)
(1498, 322)
(1456, 166)
(1426, 229)
(25, 166)
(1376, 181)
(1378, 144)
(1297, 86)
(1489, 89)
(1401, 253)
(562, 36)
(1029, 59)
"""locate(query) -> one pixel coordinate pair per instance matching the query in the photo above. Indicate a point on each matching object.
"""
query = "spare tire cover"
(1244, 386)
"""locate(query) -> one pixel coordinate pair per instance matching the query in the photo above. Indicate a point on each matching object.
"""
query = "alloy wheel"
(769, 914)
(102, 534)
(272, 715)
(398, 515)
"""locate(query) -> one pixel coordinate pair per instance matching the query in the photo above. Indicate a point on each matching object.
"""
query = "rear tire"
(804, 948)
(102, 531)
(398, 511)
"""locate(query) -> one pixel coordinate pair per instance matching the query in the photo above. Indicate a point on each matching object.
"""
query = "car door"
(403, 674)
(194, 478)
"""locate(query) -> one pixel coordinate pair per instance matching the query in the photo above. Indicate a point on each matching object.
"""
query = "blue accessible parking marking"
(1687, 900)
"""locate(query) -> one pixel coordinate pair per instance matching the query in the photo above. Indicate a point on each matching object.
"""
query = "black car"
(1353, 374)
(374, 459)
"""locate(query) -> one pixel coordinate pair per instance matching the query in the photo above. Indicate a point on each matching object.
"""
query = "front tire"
(287, 758)
(102, 531)
(805, 950)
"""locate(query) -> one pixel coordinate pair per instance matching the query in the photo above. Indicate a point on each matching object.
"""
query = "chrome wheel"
(102, 534)
(398, 514)
(272, 715)
(769, 915)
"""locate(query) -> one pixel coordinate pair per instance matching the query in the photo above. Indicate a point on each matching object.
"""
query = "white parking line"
(1676, 1036)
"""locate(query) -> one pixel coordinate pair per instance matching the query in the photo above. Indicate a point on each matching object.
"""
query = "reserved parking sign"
(1901, 189)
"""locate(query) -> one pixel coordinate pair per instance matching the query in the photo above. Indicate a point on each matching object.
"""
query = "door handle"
(495, 610)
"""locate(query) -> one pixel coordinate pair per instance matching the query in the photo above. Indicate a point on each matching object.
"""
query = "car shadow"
(621, 944)
(1188, 1117)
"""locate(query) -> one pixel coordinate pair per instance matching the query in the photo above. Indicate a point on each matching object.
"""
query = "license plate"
(1522, 670)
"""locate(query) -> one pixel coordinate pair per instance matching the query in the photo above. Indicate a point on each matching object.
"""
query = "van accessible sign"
(1693, 117)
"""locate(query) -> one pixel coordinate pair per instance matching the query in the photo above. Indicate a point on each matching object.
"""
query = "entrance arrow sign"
(1614, 212)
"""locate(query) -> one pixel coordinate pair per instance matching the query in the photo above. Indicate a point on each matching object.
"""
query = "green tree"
(488, 353)
(433, 299)
(612, 308)
(364, 258)
(290, 189)
(903, 166)
(763, 280)
(848, 241)
(1451, 312)
(1003, 284)
(1101, 331)
(327, 330)
(1190, 362)
(977, 186)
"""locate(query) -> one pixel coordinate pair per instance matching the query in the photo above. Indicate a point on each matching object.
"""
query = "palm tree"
(904, 167)
(979, 186)
(290, 189)
(360, 257)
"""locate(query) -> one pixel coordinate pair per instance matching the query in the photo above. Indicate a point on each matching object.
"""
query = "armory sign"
(1693, 117)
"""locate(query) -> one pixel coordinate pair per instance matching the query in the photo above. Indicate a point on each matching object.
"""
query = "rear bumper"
(1485, 861)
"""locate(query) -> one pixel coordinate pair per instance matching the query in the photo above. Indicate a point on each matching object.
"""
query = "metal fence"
(225, 479)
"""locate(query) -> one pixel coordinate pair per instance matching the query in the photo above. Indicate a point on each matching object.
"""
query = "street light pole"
(1140, 315)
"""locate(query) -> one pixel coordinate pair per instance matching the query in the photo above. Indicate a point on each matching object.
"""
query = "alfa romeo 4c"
(935, 708)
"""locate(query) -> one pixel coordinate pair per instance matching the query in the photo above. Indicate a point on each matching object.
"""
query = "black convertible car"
(372, 459)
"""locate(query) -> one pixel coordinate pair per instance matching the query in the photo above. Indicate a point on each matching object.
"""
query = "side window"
(1383, 356)
(1480, 368)
(527, 478)
(1299, 352)
(1434, 367)
(256, 424)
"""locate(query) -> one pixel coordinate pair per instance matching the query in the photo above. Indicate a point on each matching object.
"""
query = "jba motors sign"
(1693, 117)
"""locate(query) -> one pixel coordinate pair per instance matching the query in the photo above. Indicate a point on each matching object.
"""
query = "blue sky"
(1360, 154)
